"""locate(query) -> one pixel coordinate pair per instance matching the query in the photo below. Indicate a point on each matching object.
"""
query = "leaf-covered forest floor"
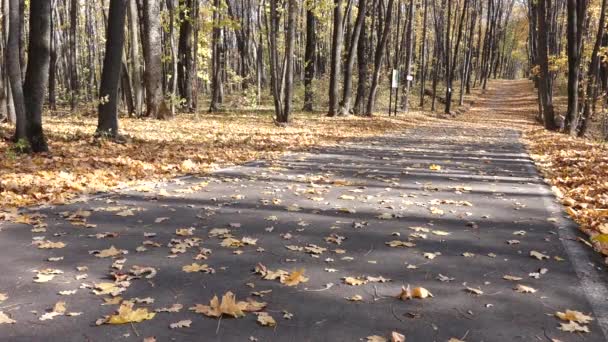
(443, 231)
(158, 150)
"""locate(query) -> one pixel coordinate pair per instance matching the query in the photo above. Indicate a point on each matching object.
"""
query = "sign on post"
(395, 82)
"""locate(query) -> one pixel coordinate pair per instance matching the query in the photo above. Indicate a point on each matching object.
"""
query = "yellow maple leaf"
(416, 292)
(126, 314)
(573, 315)
(294, 278)
(228, 306)
(110, 252)
(266, 320)
(355, 281)
(194, 267)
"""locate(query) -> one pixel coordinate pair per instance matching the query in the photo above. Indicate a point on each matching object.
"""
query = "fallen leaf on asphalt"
(228, 306)
(50, 245)
(397, 243)
(185, 231)
(510, 277)
(573, 315)
(431, 256)
(58, 310)
(355, 281)
(5, 319)
(572, 326)
(416, 292)
(475, 291)
(194, 267)
(126, 314)
(110, 252)
(538, 255)
(355, 298)
(181, 324)
(375, 338)
(397, 337)
(173, 308)
(294, 278)
(266, 320)
(524, 289)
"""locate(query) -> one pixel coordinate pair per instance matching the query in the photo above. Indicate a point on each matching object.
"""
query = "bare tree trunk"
(544, 81)
(107, 124)
(135, 57)
(185, 56)
(290, 38)
(75, 87)
(336, 57)
(14, 70)
(576, 25)
(152, 48)
(36, 77)
(582, 123)
(350, 63)
(216, 63)
(423, 55)
(380, 48)
(309, 58)
(410, 52)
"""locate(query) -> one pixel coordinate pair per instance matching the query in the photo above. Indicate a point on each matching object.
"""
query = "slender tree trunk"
(448, 102)
(410, 52)
(362, 63)
(380, 48)
(336, 57)
(576, 25)
(107, 124)
(53, 63)
(75, 87)
(135, 59)
(582, 123)
(185, 56)
(423, 55)
(544, 81)
(290, 38)
(152, 48)
(350, 63)
(14, 70)
(216, 63)
(309, 58)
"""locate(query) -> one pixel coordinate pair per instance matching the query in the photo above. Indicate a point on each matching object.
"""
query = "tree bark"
(152, 48)
(378, 58)
(345, 107)
(544, 81)
(309, 58)
(138, 92)
(75, 87)
(14, 70)
(36, 76)
(185, 55)
(107, 124)
(336, 58)
(216, 64)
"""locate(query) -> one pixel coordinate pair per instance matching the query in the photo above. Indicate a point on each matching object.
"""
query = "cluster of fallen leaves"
(578, 171)
(158, 150)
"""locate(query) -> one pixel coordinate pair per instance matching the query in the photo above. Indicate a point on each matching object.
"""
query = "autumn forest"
(303, 170)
